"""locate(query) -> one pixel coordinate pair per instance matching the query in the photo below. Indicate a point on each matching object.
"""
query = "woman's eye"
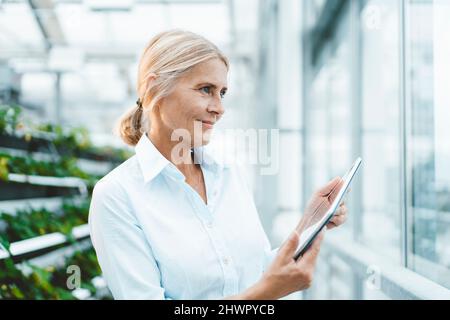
(206, 90)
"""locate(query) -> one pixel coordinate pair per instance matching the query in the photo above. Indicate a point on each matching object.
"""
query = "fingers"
(342, 209)
(336, 190)
(310, 256)
(339, 217)
(289, 247)
(326, 189)
(338, 220)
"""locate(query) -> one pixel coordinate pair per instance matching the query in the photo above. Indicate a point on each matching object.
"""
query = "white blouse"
(156, 238)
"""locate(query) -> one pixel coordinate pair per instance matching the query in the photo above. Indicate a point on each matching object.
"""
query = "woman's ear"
(148, 82)
(152, 76)
(150, 79)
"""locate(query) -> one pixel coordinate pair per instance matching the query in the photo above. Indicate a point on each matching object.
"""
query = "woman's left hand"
(319, 204)
(339, 217)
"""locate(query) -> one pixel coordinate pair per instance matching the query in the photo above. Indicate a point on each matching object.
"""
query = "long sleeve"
(124, 255)
(156, 238)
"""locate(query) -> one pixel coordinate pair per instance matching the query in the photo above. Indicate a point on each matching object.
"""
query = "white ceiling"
(98, 48)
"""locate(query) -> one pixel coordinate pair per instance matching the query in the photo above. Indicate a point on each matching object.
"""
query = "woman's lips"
(207, 124)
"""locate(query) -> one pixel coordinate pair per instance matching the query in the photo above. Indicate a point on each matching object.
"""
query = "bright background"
(338, 78)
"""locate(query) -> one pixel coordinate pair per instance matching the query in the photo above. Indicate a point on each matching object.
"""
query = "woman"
(173, 222)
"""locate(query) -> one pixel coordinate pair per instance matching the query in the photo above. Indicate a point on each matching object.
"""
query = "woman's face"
(195, 103)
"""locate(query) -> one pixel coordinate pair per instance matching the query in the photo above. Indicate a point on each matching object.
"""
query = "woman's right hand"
(285, 275)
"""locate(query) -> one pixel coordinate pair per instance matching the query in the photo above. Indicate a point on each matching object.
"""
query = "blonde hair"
(168, 56)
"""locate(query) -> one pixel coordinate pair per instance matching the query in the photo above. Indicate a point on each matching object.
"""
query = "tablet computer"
(314, 228)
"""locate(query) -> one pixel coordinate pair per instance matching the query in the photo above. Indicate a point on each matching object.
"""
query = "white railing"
(46, 241)
(395, 281)
(68, 182)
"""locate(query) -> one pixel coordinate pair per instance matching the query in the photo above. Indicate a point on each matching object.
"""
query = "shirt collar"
(152, 162)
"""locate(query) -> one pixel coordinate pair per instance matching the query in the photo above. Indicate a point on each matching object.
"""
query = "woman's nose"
(217, 108)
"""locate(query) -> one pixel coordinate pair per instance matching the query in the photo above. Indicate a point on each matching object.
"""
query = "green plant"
(63, 167)
(74, 142)
(14, 284)
(9, 118)
(70, 144)
(89, 267)
(68, 140)
(25, 224)
(50, 282)
(4, 168)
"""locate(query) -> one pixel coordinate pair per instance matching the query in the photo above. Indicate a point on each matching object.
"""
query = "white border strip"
(394, 278)
(43, 242)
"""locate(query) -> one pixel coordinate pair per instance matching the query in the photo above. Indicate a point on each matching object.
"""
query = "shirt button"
(209, 225)
(226, 261)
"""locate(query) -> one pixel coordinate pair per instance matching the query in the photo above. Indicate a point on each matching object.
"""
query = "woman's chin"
(201, 136)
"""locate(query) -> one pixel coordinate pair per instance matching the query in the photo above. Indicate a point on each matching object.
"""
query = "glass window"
(329, 116)
(334, 279)
(428, 51)
(328, 143)
(381, 210)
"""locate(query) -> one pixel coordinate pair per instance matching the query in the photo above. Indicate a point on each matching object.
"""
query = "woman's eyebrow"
(211, 85)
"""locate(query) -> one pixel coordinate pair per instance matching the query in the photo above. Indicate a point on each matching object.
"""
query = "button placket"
(223, 255)
(230, 275)
(215, 192)
(204, 214)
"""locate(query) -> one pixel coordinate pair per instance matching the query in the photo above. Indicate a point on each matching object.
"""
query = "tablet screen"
(324, 213)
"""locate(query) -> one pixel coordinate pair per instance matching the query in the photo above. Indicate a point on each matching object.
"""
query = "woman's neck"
(175, 151)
